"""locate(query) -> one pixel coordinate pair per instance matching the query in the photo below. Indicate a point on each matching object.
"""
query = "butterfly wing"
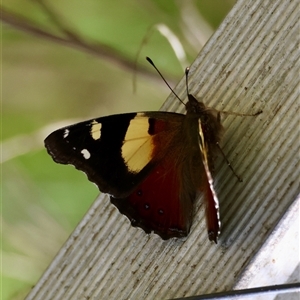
(132, 157)
(116, 152)
(211, 199)
(149, 165)
(156, 204)
(163, 202)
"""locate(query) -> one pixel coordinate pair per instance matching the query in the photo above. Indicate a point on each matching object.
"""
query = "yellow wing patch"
(138, 144)
(96, 130)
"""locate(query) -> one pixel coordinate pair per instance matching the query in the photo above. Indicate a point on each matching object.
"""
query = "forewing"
(116, 152)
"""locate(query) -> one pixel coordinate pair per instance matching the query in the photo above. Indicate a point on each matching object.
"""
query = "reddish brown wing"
(212, 210)
(163, 202)
(156, 204)
(135, 158)
(150, 164)
(211, 199)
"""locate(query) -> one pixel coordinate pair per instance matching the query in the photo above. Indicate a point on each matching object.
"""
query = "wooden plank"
(250, 63)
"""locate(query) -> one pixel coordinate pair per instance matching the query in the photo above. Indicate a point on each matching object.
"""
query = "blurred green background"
(46, 85)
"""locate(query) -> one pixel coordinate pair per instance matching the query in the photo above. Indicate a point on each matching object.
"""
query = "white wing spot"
(66, 133)
(86, 154)
(96, 130)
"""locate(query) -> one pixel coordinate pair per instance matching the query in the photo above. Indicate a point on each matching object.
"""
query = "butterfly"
(152, 164)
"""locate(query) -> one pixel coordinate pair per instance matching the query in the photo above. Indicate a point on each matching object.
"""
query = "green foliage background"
(44, 83)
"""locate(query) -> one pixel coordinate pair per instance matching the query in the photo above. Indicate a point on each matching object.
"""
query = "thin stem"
(72, 40)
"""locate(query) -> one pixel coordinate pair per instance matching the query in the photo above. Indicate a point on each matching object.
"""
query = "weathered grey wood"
(251, 63)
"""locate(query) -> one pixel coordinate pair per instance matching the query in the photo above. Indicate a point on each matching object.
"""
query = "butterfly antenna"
(187, 70)
(163, 78)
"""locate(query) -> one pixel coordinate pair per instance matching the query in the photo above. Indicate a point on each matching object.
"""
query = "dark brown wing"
(211, 199)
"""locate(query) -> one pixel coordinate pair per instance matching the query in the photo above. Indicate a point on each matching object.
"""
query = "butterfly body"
(152, 164)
